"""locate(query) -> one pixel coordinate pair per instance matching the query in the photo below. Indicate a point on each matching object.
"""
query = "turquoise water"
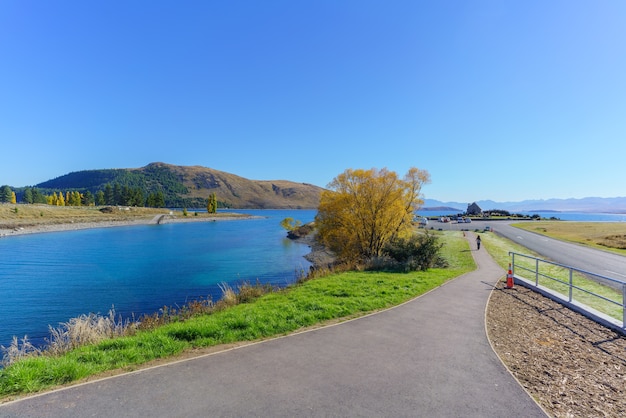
(46, 279)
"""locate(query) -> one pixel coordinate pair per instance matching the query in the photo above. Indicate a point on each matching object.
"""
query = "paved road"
(429, 357)
(584, 258)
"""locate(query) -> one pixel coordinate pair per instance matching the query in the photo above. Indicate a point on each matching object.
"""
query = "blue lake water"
(46, 279)
(564, 216)
(581, 216)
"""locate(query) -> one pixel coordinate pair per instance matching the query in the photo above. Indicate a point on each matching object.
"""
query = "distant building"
(474, 209)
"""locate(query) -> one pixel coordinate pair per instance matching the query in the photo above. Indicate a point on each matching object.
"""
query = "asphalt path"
(429, 357)
(584, 258)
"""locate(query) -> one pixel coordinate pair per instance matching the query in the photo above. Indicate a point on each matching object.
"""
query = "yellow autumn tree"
(363, 210)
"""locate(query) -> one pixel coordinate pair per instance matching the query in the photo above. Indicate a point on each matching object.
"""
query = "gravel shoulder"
(571, 365)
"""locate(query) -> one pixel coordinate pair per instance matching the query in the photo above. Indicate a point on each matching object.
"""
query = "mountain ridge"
(191, 186)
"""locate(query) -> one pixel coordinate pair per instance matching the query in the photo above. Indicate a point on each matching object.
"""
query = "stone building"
(474, 209)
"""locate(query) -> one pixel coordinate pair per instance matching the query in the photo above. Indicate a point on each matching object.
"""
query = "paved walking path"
(428, 358)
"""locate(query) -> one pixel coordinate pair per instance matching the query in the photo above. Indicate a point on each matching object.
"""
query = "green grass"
(334, 297)
(499, 247)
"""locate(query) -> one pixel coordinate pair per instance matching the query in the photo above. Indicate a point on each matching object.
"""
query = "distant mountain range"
(190, 187)
(587, 204)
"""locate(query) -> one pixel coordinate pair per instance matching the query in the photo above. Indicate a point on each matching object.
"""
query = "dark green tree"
(6, 194)
(88, 199)
(38, 197)
(117, 194)
(109, 197)
(132, 196)
(28, 196)
(159, 201)
(100, 199)
(126, 196)
(137, 197)
(155, 200)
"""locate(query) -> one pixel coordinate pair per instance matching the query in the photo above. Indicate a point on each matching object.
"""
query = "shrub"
(248, 292)
(290, 224)
(419, 252)
(87, 329)
(229, 296)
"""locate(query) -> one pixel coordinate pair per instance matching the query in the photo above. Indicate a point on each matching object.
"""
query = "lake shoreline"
(10, 231)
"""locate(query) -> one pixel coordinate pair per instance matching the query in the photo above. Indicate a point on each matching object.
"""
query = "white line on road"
(614, 272)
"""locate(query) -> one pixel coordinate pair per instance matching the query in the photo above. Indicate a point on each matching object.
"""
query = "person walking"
(478, 242)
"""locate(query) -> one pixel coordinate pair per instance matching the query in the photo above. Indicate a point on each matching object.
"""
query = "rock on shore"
(320, 256)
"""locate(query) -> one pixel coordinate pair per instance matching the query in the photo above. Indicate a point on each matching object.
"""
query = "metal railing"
(549, 275)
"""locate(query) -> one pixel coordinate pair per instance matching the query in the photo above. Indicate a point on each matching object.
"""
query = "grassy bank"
(334, 297)
(499, 248)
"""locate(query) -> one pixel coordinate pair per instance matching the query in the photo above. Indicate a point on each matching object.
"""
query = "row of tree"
(70, 199)
(112, 195)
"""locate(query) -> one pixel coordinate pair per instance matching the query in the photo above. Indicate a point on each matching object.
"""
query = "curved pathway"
(429, 357)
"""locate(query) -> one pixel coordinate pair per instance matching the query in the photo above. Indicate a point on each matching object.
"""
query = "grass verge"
(499, 248)
(333, 297)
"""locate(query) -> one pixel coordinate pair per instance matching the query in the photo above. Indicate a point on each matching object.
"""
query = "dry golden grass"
(92, 328)
(87, 329)
(604, 235)
(28, 216)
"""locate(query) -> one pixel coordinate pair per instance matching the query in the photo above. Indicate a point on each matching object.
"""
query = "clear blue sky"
(502, 100)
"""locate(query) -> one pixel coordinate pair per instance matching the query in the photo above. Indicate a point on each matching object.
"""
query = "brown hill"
(238, 192)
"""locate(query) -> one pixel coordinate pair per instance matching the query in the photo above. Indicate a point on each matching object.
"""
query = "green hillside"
(190, 187)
